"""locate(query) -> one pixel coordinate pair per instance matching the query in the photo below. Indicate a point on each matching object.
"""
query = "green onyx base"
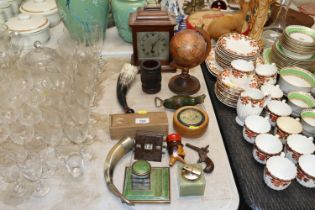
(191, 188)
(159, 191)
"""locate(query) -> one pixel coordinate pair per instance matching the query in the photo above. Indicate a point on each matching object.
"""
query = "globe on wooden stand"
(189, 48)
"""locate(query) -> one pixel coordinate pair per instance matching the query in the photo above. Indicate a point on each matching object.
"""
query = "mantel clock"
(152, 29)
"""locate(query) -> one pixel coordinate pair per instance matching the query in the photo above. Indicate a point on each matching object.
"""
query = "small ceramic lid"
(289, 125)
(307, 163)
(25, 23)
(281, 168)
(39, 7)
(301, 144)
(257, 124)
(268, 143)
(279, 108)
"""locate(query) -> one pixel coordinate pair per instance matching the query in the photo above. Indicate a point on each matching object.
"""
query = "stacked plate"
(235, 46)
(228, 88)
(296, 47)
(213, 67)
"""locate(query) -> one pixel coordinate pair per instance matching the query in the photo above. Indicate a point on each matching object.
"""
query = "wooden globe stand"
(184, 83)
(184, 44)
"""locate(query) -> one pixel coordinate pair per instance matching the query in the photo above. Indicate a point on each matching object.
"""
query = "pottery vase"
(251, 102)
(121, 10)
(82, 17)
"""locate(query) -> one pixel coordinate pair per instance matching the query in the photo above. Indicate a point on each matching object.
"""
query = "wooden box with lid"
(122, 125)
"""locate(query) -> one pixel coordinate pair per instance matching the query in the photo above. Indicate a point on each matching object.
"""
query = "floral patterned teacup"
(251, 102)
(279, 172)
(298, 145)
(276, 109)
(266, 74)
(242, 68)
(255, 125)
(265, 146)
(306, 171)
(273, 90)
(286, 126)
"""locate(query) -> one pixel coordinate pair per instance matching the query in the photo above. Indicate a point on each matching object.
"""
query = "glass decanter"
(273, 31)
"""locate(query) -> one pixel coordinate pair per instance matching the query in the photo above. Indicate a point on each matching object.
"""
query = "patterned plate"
(222, 99)
(301, 35)
(213, 67)
(239, 44)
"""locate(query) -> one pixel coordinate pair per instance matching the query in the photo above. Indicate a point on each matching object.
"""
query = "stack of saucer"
(235, 46)
(228, 87)
(212, 66)
(296, 47)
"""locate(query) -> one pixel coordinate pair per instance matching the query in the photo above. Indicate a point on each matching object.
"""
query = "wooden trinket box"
(122, 125)
(148, 146)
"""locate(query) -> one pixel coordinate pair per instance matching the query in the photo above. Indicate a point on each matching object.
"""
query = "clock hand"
(154, 43)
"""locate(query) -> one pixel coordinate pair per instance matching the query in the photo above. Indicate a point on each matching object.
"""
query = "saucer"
(213, 67)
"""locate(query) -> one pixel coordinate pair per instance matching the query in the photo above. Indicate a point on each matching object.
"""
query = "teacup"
(255, 125)
(286, 126)
(306, 171)
(242, 68)
(276, 109)
(308, 122)
(265, 146)
(273, 90)
(251, 102)
(299, 101)
(266, 74)
(298, 145)
(279, 172)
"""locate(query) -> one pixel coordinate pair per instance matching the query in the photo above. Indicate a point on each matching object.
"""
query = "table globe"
(189, 48)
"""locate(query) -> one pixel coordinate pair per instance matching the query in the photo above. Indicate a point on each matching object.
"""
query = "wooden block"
(122, 125)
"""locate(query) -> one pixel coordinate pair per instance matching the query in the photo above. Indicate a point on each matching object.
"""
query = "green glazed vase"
(81, 17)
(121, 10)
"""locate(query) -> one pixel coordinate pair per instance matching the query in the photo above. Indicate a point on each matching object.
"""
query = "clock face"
(191, 117)
(153, 45)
